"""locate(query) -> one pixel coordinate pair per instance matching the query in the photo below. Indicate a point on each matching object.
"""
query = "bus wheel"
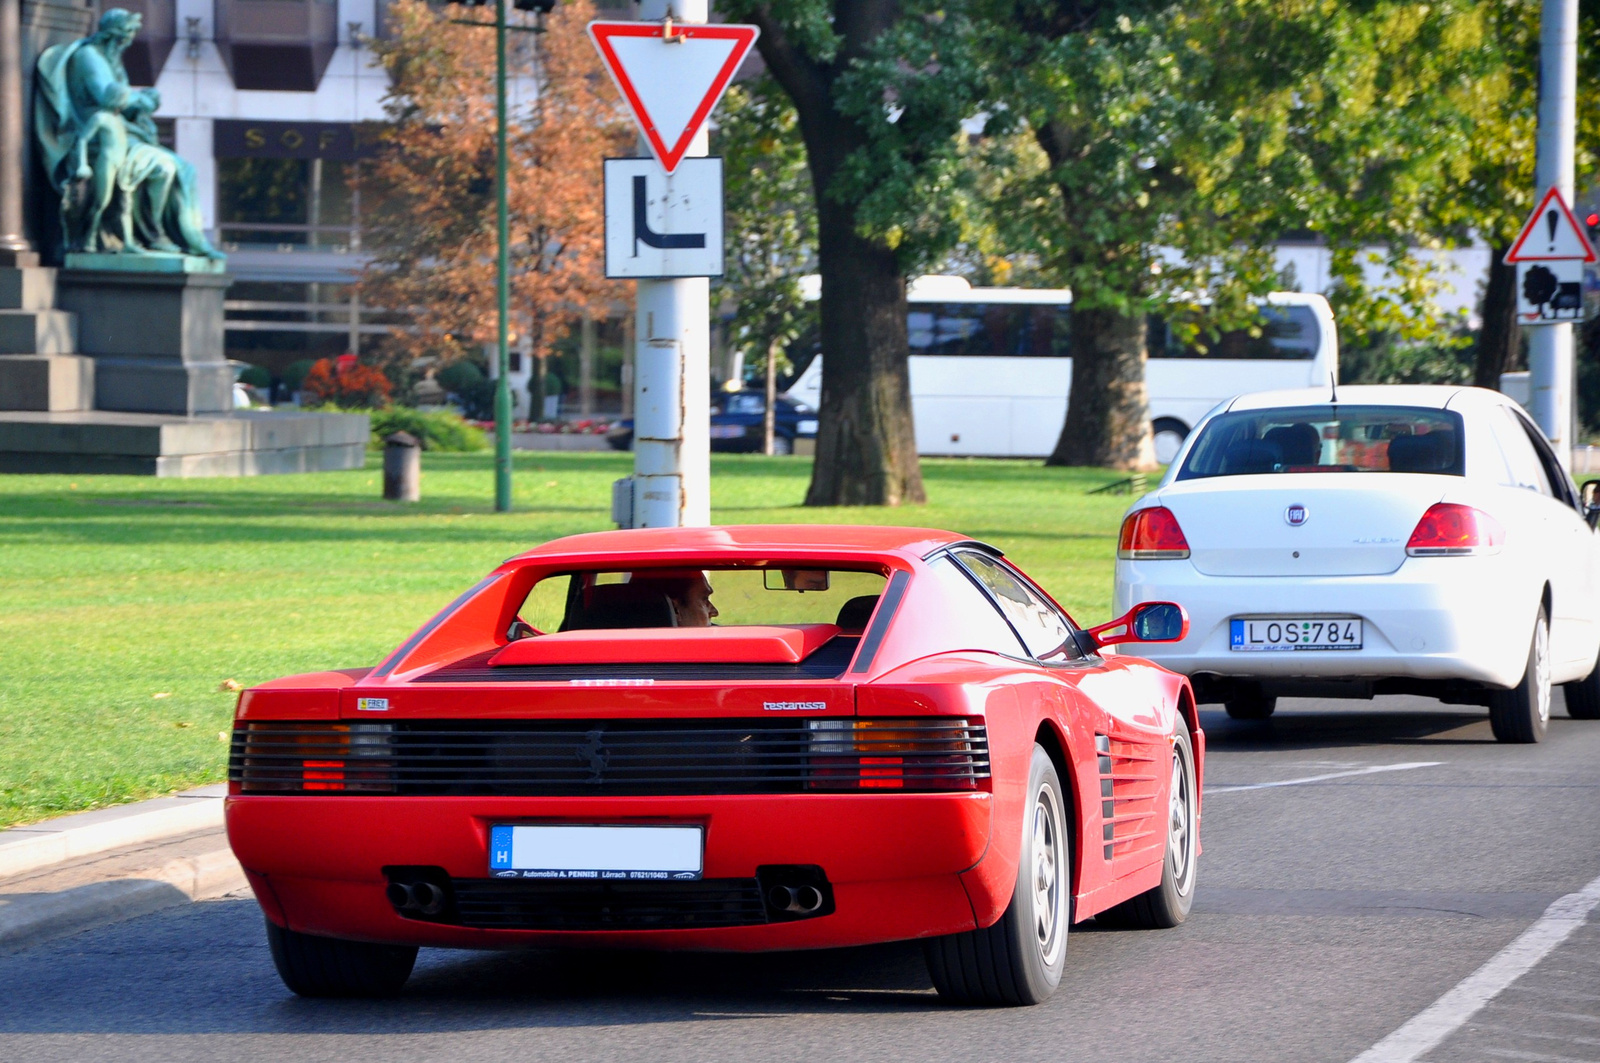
(1169, 435)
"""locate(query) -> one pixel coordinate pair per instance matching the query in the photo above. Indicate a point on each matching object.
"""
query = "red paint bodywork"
(902, 865)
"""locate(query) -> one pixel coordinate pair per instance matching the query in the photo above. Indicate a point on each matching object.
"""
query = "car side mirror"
(1590, 493)
(1146, 622)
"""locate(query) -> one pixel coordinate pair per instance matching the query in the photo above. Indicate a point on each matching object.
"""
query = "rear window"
(678, 597)
(1332, 438)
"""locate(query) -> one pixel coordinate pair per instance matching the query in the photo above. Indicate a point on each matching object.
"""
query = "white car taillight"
(1152, 535)
(1452, 530)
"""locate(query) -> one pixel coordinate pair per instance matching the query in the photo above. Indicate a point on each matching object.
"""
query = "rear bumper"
(894, 862)
(1449, 619)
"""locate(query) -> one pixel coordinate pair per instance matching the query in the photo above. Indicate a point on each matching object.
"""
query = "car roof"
(1437, 396)
(745, 540)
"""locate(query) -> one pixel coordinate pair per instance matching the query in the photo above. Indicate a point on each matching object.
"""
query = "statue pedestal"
(153, 325)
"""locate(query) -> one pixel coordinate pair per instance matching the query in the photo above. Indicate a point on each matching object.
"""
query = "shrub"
(472, 389)
(255, 376)
(437, 429)
(295, 374)
(358, 386)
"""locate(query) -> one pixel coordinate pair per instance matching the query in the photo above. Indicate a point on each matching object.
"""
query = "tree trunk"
(866, 447)
(1108, 418)
(866, 444)
(1499, 339)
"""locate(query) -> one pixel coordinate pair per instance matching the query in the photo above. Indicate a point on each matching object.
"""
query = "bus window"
(1290, 333)
(989, 330)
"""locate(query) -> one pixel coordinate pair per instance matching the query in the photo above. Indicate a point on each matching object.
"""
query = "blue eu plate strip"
(499, 848)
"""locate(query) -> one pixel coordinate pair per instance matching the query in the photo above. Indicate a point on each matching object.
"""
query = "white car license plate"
(1275, 633)
(595, 852)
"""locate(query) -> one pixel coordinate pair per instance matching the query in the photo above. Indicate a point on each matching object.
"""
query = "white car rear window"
(1331, 438)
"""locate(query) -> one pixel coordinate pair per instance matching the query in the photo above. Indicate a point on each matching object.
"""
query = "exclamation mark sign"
(1550, 219)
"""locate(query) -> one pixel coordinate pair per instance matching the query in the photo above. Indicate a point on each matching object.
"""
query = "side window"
(1555, 475)
(974, 623)
(1044, 630)
(1523, 461)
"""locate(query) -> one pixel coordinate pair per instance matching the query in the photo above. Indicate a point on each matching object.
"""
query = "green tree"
(834, 60)
(773, 226)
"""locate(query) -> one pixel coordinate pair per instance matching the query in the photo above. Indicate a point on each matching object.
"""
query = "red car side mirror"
(1145, 622)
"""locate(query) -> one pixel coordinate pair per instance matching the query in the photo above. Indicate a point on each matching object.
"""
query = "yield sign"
(671, 82)
(1551, 234)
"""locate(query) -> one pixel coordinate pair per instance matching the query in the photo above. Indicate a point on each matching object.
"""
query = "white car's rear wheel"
(1249, 703)
(1522, 713)
(1583, 697)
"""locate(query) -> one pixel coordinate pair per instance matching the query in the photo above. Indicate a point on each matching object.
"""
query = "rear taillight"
(1452, 530)
(931, 753)
(312, 757)
(1151, 535)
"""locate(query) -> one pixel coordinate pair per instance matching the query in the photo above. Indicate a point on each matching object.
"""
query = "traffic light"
(1591, 225)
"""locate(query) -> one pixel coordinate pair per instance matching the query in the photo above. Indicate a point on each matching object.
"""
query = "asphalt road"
(1330, 913)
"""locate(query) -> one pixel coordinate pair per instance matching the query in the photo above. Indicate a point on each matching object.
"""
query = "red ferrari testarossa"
(738, 738)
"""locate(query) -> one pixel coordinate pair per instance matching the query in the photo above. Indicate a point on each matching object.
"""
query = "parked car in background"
(738, 423)
(890, 734)
(1374, 540)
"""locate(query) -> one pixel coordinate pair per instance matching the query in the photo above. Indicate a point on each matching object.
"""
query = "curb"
(56, 841)
(26, 919)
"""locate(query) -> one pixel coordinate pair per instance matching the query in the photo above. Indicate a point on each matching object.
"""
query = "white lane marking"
(1428, 1028)
(1375, 769)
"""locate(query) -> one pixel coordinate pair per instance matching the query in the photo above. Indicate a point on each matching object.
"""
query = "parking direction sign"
(663, 224)
(671, 76)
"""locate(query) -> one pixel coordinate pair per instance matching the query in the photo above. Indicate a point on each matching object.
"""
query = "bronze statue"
(121, 191)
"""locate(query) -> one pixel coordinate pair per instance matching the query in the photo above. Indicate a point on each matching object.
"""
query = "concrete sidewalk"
(68, 874)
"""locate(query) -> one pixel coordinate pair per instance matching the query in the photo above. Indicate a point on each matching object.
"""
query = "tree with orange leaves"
(432, 232)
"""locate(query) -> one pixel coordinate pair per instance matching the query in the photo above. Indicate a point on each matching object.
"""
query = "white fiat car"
(1373, 540)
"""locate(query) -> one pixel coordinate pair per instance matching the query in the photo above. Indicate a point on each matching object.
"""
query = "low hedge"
(437, 429)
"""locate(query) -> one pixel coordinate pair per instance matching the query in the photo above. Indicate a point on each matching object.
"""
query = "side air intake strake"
(587, 757)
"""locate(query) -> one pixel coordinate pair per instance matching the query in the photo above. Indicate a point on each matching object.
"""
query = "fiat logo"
(1295, 515)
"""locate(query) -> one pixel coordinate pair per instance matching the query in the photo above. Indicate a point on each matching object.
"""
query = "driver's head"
(688, 591)
(691, 601)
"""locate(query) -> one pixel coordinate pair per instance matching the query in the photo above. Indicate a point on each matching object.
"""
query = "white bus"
(991, 368)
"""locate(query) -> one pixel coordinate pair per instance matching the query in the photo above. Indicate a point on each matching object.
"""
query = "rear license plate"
(727, 431)
(563, 851)
(1294, 633)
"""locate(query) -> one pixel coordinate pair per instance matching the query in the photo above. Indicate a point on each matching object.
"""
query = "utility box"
(622, 502)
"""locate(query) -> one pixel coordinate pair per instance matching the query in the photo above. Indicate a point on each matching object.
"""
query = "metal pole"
(672, 369)
(1550, 355)
(502, 280)
(15, 250)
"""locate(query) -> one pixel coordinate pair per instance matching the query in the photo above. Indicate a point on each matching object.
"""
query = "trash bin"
(402, 467)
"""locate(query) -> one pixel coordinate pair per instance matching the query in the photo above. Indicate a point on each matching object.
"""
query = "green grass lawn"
(125, 603)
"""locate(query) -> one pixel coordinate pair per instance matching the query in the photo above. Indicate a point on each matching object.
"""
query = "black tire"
(1168, 904)
(1583, 697)
(1248, 703)
(1522, 713)
(1020, 958)
(328, 967)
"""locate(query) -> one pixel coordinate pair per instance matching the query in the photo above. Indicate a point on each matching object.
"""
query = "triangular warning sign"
(671, 82)
(1552, 234)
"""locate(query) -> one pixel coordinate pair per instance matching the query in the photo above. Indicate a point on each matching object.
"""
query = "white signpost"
(1550, 254)
(664, 228)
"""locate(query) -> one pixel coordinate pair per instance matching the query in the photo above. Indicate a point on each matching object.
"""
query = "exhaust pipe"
(429, 898)
(802, 900)
(400, 895)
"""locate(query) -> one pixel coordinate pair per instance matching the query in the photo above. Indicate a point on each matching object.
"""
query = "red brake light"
(1152, 534)
(1452, 530)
